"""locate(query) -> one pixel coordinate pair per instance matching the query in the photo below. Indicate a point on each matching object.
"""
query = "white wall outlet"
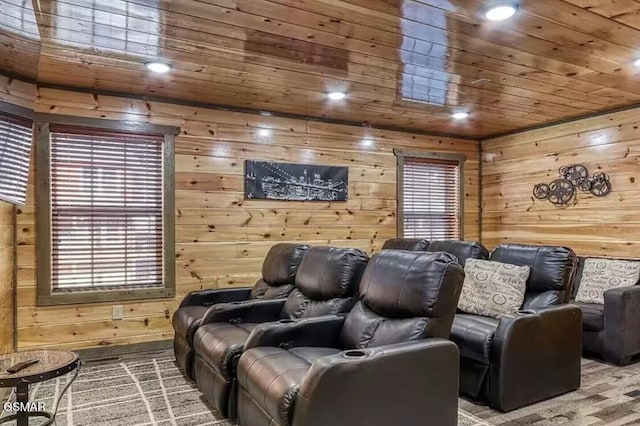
(118, 312)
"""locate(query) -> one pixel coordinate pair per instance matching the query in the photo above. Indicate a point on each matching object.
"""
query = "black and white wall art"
(295, 182)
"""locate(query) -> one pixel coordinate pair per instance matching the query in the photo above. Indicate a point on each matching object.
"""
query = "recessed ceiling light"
(265, 113)
(158, 67)
(264, 132)
(336, 96)
(500, 12)
(366, 142)
(636, 63)
(460, 115)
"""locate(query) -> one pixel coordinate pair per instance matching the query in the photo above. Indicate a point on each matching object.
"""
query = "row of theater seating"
(526, 357)
(610, 330)
(346, 347)
(351, 329)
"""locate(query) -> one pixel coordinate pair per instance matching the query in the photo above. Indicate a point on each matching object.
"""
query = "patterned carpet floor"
(139, 390)
(608, 395)
(148, 390)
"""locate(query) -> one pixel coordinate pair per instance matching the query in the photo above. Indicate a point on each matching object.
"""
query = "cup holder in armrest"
(235, 303)
(286, 321)
(354, 354)
(526, 312)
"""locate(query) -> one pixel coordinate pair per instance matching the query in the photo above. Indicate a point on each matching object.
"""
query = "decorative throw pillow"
(493, 289)
(600, 275)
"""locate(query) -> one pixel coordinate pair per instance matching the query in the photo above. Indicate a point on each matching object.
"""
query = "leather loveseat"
(326, 283)
(532, 355)
(411, 244)
(611, 331)
(278, 273)
(377, 366)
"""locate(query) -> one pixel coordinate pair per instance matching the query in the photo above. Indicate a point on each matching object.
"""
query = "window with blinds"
(106, 207)
(16, 138)
(431, 199)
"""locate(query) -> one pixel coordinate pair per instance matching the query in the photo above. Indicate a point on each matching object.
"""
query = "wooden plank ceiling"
(19, 39)
(403, 63)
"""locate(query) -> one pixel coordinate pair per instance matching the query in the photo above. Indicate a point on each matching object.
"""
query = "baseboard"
(115, 351)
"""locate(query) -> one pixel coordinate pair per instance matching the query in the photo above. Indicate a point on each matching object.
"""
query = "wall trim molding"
(16, 110)
(107, 124)
(14, 278)
(117, 350)
(480, 182)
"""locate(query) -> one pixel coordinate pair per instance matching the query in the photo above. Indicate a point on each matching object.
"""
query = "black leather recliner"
(462, 250)
(326, 283)
(411, 244)
(278, 273)
(532, 355)
(373, 367)
(611, 331)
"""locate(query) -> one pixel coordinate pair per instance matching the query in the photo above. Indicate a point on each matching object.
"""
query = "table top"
(52, 363)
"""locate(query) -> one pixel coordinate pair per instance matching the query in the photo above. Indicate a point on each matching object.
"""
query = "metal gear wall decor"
(541, 191)
(601, 185)
(561, 191)
(573, 178)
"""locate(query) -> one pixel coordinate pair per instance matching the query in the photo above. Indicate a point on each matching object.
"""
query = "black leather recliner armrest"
(536, 354)
(212, 296)
(249, 311)
(414, 378)
(323, 331)
(621, 324)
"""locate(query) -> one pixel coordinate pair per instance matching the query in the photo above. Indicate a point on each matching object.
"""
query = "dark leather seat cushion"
(272, 376)
(592, 315)
(411, 244)
(186, 317)
(474, 336)
(219, 343)
(282, 262)
(462, 250)
(551, 267)
(326, 283)
(262, 290)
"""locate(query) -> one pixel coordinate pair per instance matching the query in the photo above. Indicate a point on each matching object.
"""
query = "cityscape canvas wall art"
(295, 182)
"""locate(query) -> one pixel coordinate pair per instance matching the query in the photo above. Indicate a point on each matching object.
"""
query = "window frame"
(401, 155)
(20, 113)
(45, 294)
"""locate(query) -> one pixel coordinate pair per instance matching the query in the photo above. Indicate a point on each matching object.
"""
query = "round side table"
(51, 364)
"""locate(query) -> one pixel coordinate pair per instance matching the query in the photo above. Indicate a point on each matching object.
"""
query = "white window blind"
(16, 137)
(106, 210)
(431, 202)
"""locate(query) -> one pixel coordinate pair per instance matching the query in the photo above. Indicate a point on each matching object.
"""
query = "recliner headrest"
(462, 250)
(551, 267)
(411, 244)
(331, 272)
(282, 262)
(402, 284)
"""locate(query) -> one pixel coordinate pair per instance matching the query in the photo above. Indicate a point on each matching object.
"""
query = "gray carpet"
(608, 396)
(142, 390)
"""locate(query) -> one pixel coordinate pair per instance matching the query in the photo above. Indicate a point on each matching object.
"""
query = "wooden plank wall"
(7, 249)
(221, 238)
(22, 94)
(512, 165)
